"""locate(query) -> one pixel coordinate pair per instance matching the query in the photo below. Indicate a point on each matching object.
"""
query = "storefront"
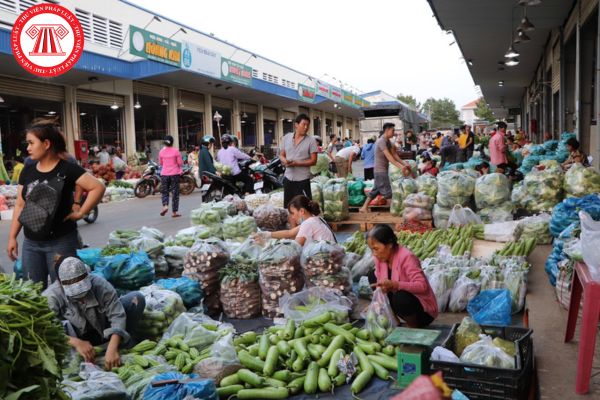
(269, 125)
(221, 117)
(190, 119)
(151, 121)
(100, 118)
(248, 120)
(288, 122)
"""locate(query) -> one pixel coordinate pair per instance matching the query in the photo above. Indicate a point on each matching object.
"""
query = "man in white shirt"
(344, 158)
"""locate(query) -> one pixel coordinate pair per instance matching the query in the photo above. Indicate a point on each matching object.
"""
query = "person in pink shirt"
(171, 162)
(498, 146)
(398, 273)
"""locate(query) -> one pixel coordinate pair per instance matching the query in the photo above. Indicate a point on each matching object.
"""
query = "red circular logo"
(47, 40)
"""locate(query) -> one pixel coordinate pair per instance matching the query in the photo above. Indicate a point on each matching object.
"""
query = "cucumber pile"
(518, 248)
(426, 245)
(286, 360)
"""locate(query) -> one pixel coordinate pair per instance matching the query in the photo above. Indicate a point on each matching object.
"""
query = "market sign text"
(152, 46)
(236, 72)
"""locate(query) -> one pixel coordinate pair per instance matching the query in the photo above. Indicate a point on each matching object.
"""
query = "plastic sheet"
(95, 384)
(90, 256)
(152, 233)
(363, 267)
(418, 200)
(223, 360)
(491, 307)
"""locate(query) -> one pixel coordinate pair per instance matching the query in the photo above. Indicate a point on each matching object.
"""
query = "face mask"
(79, 296)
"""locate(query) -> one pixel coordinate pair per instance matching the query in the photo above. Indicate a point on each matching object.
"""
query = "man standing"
(470, 142)
(344, 158)
(368, 155)
(103, 156)
(462, 144)
(298, 154)
(497, 146)
(384, 155)
(449, 150)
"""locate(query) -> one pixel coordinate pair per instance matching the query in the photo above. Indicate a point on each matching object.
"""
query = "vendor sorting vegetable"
(398, 273)
(91, 312)
(310, 226)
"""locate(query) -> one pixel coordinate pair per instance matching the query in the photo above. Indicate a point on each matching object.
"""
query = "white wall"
(467, 115)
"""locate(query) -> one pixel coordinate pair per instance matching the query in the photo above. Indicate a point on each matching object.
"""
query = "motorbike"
(150, 181)
(216, 187)
(272, 175)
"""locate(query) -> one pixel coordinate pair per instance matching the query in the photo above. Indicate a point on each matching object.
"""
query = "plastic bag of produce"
(136, 384)
(441, 216)
(239, 227)
(340, 281)
(192, 233)
(418, 200)
(396, 205)
(581, 181)
(276, 198)
(363, 267)
(462, 216)
(466, 288)
(322, 164)
(491, 307)
(317, 193)
(485, 352)
(565, 213)
(239, 203)
(467, 333)
(590, 238)
(89, 256)
(380, 319)
(175, 256)
(442, 281)
(122, 237)
(256, 200)
(350, 259)
(198, 330)
(455, 184)
(162, 307)
(500, 213)
(416, 214)
(428, 184)
(225, 208)
(409, 186)
(500, 231)
(537, 227)
(356, 194)
(573, 249)
(270, 218)
(335, 197)
(492, 190)
(95, 384)
(152, 247)
(126, 271)
(152, 233)
(322, 257)
(223, 360)
(190, 387)
(313, 302)
(187, 288)
(545, 185)
(515, 280)
(223, 169)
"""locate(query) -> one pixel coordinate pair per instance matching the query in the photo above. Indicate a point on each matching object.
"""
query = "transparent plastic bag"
(223, 360)
(321, 257)
(270, 218)
(537, 227)
(256, 200)
(188, 289)
(276, 198)
(485, 352)
(238, 228)
(96, 383)
(315, 301)
(152, 233)
(126, 271)
(190, 325)
(590, 238)
(491, 307)
(428, 185)
(466, 288)
(239, 203)
(380, 319)
(152, 247)
(492, 190)
(363, 267)
(515, 280)
(416, 214)
(442, 282)
(122, 237)
(418, 200)
(335, 199)
(441, 216)
(162, 308)
(462, 216)
(499, 213)
(500, 231)
(467, 333)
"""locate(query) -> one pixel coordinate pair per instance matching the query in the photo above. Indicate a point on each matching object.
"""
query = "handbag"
(41, 204)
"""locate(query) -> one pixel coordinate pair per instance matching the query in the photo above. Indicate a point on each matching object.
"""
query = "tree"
(443, 112)
(410, 100)
(483, 111)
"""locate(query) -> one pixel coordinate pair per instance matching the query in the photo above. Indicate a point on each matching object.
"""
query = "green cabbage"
(491, 190)
(322, 164)
(581, 181)
(454, 187)
(335, 198)
(428, 185)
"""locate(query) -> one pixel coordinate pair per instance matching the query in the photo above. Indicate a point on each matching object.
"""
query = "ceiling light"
(470, 62)
(51, 112)
(522, 38)
(511, 52)
(500, 83)
(244, 115)
(137, 105)
(114, 106)
(530, 2)
(1, 99)
(512, 62)
(82, 114)
(164, 102)
(526, 25)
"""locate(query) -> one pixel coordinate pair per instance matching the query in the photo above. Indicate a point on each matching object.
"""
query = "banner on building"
(347, 98)
(152, 46)
(306, 93)
(201, 60)
(335, 94)
(323, 89)
(236, 72)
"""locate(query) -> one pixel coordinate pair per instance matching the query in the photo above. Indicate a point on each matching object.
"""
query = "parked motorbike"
(272, 175)
(216, 187)
(150, 181)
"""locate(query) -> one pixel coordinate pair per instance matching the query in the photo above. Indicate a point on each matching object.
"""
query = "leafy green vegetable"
(581, 181)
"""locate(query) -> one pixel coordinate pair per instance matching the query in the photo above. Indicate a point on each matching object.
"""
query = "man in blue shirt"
(368, 155)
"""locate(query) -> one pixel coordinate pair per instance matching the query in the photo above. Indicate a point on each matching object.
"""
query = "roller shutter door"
(222, 103)
(191, 101)
(36, 90)
(146, 89)
(102, 99)
(269, 114)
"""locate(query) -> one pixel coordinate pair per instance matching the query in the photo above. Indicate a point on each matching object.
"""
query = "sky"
(390, 45)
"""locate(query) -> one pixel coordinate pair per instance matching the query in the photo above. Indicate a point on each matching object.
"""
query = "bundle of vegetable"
(454, 187)
(280, 271)
(276, 198)
(33, 343)
(126, 271)
(317, 193)
(521, 248)
(322, 164)
(537, 227)
(515, 280)
(122, 237)
(315, 355)
(544, 187)
(188, 289)
(270, 218)
(162, 307)
(202, 263)
(428, 184)
(238, 228)
(111, 250)
(356, 193)
(239, 203)
(121, 184)
(209, 218)
(500, 213)
(223, 169)
(356, 243)
(186, 237)
(491, 190)
(485, 352)
(581, 181)
(335, 198)
(426, 245)
(256, 200)
(322, 258)
(465, 288)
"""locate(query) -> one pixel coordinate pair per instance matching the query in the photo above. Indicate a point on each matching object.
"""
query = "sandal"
(164, 212)
(378, 201)
(175, 215)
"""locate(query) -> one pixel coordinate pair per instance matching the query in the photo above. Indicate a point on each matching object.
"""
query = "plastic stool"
(583, 283)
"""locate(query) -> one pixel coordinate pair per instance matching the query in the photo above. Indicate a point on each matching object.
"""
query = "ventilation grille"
(100, 30)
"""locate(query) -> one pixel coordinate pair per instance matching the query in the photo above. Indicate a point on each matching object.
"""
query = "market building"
(536, 62)
(143, 76)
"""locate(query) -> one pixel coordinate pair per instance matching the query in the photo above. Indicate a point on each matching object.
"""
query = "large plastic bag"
(189, 388)
(322, 164)
(270, 218)
(441, 216)
(239, 227)
(466, 288)
(356, 193)
(546, 184)
(175, 255)
(565, 213)
(335, 198)
(515, 280)
(537, 227)
(239, 203)
(162, 307)
(187, 288)
(152, 233)
(396, 205)
(193, 327)
(428, 185)
(256, 200)
(96, 384)
(152, 247)
(442, 282)
(467, 333)
(89, 256)
(500, 213)
(462, 216)
(581, 181)
(492, 190)
(136, 384)
(363, 267)
(315, 301)
(225, 208)
(500, 231)
(276, 198)
(380, 319)
(590, 243)
(491, 307)
(192, 233)
(317, 193)
(223, 360)
(454, 187)
(418, 200)
(210, 218)
(122, 237)
(126, 271)
(416, 214)
(322, 258)
(485, 352)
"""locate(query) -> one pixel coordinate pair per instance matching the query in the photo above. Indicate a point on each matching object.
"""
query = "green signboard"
(236, 72)
(347, 98)
(152, 46)
(306, 93)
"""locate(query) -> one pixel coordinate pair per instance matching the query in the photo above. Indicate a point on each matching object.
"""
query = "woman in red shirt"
(398, 273)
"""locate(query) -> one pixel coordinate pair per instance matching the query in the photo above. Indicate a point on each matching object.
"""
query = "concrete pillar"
(323, 127)
(260, 126)
(172, 123)
(279, 130)
(71, 123)
(237, 121)
(128, 127)
(208, 115)
(334, 124)
(344, 127)
(311, 116)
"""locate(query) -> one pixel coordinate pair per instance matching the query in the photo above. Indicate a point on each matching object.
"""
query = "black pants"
(170, 184)
(369, 174)
(292, 189)
(448, 154)
(246, 180)
(406, 305)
